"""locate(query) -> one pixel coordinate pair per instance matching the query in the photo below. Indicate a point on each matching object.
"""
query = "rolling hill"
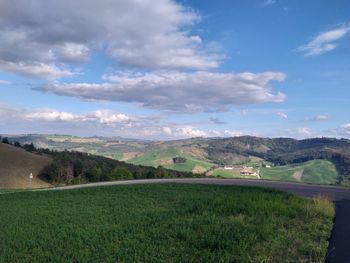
(203, 155)
(16, 165)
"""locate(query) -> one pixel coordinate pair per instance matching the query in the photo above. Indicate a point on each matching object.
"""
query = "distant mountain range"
(201, 155)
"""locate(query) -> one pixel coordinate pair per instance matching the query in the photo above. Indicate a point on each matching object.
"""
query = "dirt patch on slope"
(131, 155)
(298, 174)
(16, 165)
(198, 169)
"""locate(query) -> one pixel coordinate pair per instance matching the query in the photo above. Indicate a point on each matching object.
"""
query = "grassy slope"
(16, 165)
(163, 223)
(164, 156)
(230, 174)
(316, 171)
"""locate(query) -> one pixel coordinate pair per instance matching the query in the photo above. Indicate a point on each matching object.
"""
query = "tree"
(5, 140)
(160, 172)
(120, 174)
(29, 147)
(94, 175)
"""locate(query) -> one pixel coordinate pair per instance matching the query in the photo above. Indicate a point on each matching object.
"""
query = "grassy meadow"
(163, 157)
(314, 172)
(231, 174)
(163, 223)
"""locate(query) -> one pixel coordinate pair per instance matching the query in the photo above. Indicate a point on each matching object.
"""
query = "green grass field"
(315, 172)
(163, 157)
(229, 174)
(163, 223)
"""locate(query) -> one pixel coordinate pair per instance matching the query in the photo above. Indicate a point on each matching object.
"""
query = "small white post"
(30, 180)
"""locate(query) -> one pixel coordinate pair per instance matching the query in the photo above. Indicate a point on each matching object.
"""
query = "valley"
(318, 160)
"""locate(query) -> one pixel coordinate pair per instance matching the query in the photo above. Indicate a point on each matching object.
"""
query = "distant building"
(228, 167)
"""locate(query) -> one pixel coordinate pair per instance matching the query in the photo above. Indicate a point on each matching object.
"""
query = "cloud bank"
(100, 122)
(152, 34)
(186, 92)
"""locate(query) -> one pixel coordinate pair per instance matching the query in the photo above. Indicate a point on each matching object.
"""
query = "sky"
(163, 69)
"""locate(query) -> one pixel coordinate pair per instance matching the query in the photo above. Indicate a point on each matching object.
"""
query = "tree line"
(72, 167)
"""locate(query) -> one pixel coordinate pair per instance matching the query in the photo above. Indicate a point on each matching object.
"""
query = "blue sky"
(166, 69)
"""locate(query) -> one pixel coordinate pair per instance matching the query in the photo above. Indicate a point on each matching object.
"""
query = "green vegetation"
(68, 167)
(164, 157)
(204, 153)
(283, 151)
(76, 167)
(231, 174)
(314, 172)
(223, 173)
(163, 223)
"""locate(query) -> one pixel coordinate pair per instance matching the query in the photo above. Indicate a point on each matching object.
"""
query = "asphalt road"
(339, 247)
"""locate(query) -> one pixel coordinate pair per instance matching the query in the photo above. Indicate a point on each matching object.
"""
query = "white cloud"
(282, 115)
(325, 41)
(35, 70)
(108, 117)
(216, 120)
(190, 132)
(37, 36)
(74, 52)
(269, 2)
(5, 82)
(345, 129)
(167, 130)
(50, 115)
(304, 131)
(179, 91)
(321, 117)
(342, 131)
(299, 133)
(100, 122)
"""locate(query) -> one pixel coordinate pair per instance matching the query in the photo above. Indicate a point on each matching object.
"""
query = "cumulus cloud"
(282, 115)
(35, 70)
(108, 117)
(167, 130)
(49, 115)
(99, 122)
(190, 132)
(37, 35)
(74, 52)
(325, 41)
(178, 91)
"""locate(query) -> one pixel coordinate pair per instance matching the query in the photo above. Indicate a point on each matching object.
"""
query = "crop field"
(163, 223)
(316, 172)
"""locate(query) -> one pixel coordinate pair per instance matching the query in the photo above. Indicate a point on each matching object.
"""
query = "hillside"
(200, 155)
(16, 165)
(314, 172)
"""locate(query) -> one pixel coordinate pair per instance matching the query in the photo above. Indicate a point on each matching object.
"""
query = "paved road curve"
(339, 248)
